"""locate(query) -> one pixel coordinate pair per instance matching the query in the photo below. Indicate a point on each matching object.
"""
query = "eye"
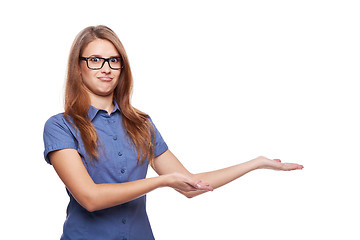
(115, 59)
(94, 59)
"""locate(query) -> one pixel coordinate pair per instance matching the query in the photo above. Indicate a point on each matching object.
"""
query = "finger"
(204, 186)
(191, 188)
(192, 184)
(199, 185)
(292, 166)
(277, 160)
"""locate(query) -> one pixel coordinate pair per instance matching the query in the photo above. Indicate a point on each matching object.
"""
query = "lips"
(105, 79)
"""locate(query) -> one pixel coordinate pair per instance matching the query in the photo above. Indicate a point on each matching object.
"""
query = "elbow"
(93, 203)
(89, 202)
(90, 207)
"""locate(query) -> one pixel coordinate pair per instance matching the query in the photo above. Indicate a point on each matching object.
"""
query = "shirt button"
(120, 154)
(115, 137)
(122, 171)
(123, 220)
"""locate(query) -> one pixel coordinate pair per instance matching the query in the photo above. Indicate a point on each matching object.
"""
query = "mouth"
(105, 79)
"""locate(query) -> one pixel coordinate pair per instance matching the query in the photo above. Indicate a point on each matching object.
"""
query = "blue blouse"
(117, 163)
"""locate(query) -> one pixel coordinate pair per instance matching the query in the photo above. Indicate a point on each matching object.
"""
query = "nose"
(106, 68)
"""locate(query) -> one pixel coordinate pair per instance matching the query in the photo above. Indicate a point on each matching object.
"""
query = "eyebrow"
(96, 55)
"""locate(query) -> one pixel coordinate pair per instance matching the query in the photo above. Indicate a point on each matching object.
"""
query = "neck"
(102, 102)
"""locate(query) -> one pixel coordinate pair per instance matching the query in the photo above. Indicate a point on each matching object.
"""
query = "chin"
(105, 94)
(102, 91)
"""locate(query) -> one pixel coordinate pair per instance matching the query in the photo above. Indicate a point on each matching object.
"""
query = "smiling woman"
(101, 147)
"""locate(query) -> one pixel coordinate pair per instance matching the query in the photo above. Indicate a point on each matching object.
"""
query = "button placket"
(120, 161)
(116, 142)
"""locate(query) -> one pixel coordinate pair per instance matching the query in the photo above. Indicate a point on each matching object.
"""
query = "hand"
(276, 164)
(185, 183)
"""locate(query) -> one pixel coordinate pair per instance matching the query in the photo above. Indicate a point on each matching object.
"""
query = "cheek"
(85, 79)
(87, 76)
(118, 74)
(117, 77)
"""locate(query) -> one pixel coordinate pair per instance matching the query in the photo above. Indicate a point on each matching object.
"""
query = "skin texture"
(67, 163)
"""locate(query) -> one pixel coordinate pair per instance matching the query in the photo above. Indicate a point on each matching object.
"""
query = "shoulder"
(150, 120)
(58, 134)
(56, 119)
(58, 123)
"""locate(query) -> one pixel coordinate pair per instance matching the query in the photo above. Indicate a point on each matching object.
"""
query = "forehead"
(100, 47)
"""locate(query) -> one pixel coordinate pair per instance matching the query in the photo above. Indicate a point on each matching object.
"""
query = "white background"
(224, 81)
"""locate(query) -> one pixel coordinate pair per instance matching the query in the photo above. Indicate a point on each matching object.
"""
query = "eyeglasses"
(96, 63)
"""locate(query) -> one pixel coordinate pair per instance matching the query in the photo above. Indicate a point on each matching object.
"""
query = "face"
(101, 82)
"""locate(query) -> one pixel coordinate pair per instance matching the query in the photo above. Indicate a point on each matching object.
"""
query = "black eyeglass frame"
(105, 60)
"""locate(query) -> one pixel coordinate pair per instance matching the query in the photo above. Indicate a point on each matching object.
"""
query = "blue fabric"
(117, 163)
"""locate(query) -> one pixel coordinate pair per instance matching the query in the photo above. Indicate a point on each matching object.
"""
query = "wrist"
(258, 163)
(164, 180)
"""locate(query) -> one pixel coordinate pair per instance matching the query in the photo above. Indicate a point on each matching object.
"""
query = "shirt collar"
(93, 110)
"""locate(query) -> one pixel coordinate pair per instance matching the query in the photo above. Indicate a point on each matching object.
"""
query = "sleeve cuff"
(52, 148)
(161, 149)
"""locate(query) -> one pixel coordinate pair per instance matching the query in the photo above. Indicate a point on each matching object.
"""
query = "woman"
(101, 147)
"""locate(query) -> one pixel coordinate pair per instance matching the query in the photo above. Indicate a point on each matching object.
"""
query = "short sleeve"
(160, 144)
(57, 135)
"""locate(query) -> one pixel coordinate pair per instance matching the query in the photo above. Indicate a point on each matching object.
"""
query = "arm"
(71, 170)
(167, 163)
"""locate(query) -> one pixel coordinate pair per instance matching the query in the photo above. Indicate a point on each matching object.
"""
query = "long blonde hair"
(77, 101)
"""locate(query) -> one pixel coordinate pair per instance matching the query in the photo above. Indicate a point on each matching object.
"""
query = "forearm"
(168, 163)
(111, 194)
(71, 170)
(221, 177)
(224, 176)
